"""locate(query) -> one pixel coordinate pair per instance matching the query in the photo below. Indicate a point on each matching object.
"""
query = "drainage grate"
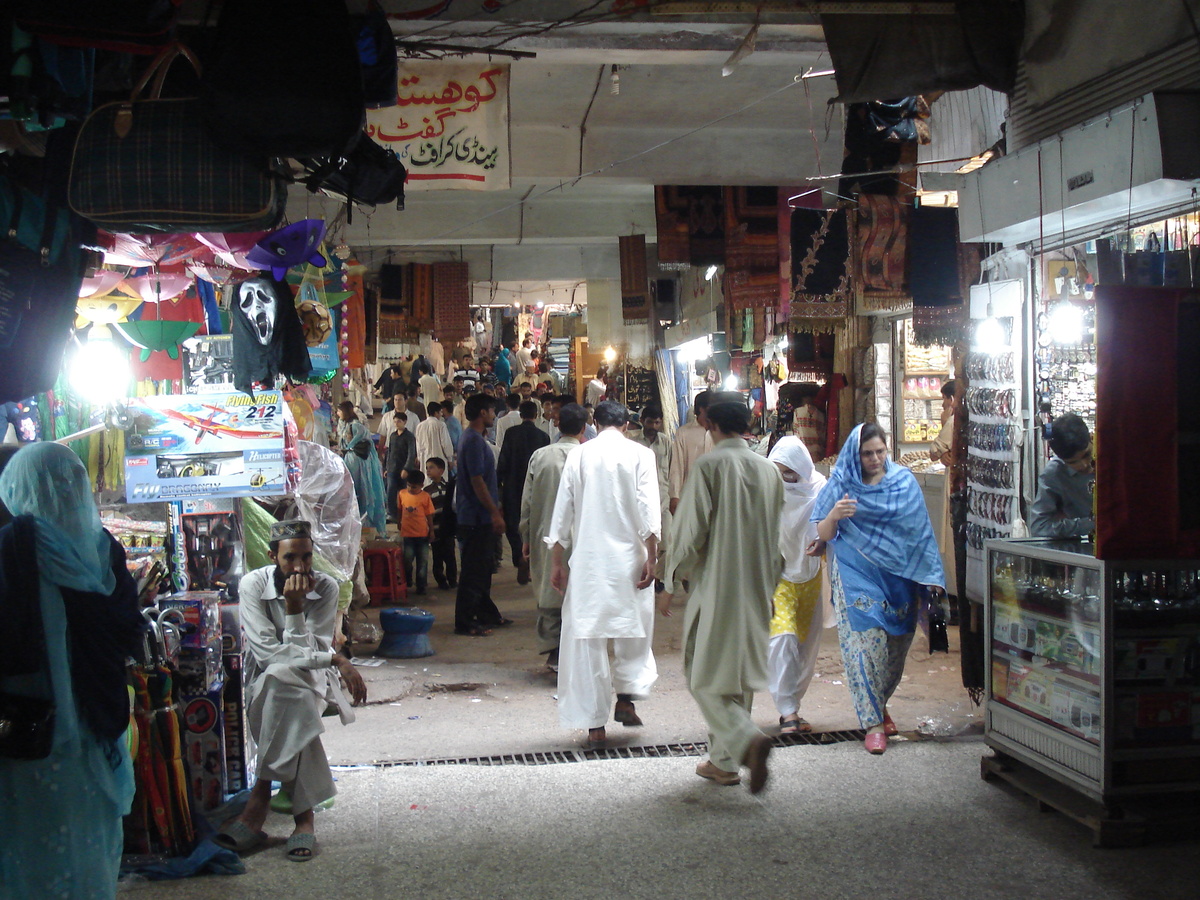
(653, 751)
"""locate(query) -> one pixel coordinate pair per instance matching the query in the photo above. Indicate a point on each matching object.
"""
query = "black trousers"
(473, 606)
(512, 530)
(445, 567)
(393, 485)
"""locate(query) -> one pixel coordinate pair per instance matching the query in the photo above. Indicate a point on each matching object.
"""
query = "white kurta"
(289, 682)
(607, 506)
(661, 448)
(537, 510)
(433, 439)
(503, 423)
(431, 389)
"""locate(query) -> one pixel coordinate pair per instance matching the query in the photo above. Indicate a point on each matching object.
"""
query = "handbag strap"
(158, 70)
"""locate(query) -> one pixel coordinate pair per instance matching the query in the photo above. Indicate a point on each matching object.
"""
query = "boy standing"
(416, 528)
(1063, 506)
(441, 491)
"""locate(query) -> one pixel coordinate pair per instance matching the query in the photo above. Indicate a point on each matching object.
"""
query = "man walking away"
(537, 509)
(691, 442)
(727, 538)
(651, 436)
(608, 508)
(511, 468)
(477, 506)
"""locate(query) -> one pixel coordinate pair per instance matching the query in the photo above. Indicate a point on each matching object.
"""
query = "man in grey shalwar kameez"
(726, 542)
(537, 509)
(291, 676)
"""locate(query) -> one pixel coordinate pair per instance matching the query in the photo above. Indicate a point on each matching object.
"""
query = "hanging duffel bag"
(149, 165)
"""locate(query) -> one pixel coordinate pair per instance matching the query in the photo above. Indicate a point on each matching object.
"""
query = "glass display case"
(1094, 667)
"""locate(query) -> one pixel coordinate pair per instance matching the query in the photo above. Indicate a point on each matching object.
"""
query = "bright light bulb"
(712, 271)
(990, 336)
(609, 354)
(731, 383)
(1065, 323)
(783, 343)
(100, 372)
(540, 304)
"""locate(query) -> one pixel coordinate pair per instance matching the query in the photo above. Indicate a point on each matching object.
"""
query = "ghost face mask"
(256, 301)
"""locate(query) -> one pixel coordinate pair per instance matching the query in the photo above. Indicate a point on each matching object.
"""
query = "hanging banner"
(449, 126)
(204, 445)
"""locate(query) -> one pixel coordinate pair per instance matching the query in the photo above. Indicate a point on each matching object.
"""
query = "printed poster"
(449, 125)
(185, 446)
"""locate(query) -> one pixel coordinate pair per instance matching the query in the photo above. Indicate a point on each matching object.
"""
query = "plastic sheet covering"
(326, 499)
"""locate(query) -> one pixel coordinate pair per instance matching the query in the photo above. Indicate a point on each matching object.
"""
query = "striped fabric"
(166, 174)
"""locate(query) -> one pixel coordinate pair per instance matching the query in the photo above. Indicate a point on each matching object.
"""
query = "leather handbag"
(26, 726)
(148, 165)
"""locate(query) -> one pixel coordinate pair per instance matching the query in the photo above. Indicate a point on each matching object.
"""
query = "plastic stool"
(383, 568)
(405, 633)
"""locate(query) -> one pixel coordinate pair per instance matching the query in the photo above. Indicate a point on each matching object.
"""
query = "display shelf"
(1110, 712)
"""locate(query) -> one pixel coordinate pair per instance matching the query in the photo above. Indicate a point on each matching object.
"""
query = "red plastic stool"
(384, 571)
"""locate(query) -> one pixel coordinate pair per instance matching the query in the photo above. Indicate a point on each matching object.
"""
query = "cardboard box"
(204, 745)
(201, 615)
(1146, 660)
(1030, 688)
(231, 629)
(236, 776)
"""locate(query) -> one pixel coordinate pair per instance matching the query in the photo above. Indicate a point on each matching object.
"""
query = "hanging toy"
(290, 246)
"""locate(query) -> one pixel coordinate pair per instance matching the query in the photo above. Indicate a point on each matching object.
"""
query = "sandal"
(300, 846)
(238, 837)
(502, 623)
(793, 726)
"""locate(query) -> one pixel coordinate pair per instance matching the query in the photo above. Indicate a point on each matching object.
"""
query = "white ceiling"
(676, 120)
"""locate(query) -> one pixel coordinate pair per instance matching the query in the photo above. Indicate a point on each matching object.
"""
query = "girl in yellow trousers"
(799, 616)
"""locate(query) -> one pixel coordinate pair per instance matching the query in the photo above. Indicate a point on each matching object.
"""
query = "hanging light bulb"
(610, 354)
(731, 382)
(712, 270)
(1065, 323)
(100, 371)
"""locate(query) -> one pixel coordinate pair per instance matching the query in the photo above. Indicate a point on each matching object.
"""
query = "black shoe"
(452, 585)
(552, 660)
(443, 584)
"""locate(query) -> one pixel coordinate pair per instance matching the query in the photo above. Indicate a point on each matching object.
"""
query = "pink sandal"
(875, 742)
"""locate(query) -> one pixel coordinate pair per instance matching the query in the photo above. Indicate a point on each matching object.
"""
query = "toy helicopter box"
(182, 446)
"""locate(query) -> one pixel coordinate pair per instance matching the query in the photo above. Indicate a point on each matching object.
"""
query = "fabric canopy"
(904, 54)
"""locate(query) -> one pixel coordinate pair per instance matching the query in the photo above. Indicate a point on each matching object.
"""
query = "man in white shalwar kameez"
(291, 677)
(607, 513)
(726, 537)
(537, 510)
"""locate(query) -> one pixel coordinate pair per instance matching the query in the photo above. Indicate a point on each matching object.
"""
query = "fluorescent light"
(712, 270)
(100, 371)
(811, 74)
(990, 336)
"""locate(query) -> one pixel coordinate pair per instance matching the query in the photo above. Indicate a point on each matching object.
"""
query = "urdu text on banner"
(449, 126)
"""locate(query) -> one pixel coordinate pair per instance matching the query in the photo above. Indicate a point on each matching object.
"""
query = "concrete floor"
(493, 695)
(834, 821)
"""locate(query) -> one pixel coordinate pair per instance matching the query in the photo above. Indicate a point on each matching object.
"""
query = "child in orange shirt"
(416, 528)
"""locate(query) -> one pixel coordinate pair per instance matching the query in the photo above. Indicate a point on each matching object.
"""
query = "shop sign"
(449, 126)
(204, 446)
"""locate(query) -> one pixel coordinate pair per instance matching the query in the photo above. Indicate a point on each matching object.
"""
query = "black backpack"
(283, 79)
(368, 174)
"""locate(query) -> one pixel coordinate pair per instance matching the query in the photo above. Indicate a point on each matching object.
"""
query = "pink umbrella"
(101, 283)
(150, 249)
(157, 286)
(231, 249)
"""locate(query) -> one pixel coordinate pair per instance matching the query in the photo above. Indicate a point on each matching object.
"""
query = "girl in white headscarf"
(796, 625)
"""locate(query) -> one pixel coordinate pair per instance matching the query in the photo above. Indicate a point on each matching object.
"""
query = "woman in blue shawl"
(363, 463)
(68, 622)
(884, 564)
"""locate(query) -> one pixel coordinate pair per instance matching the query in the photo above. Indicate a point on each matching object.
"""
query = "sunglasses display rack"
(1066, 373)
(993, 466)
(1093, 674)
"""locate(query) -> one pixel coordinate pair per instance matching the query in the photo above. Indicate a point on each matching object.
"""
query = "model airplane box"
(201, 617)
(182, 446)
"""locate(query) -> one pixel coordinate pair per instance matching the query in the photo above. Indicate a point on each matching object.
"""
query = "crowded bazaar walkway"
(834, 822)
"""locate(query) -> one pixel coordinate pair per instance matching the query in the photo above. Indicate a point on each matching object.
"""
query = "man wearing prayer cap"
(291, 676)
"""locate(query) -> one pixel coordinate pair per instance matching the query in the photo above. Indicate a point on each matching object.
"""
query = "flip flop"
(300, 846)
(238, 837)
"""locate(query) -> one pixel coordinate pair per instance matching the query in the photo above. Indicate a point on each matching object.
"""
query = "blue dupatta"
(886, 549)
